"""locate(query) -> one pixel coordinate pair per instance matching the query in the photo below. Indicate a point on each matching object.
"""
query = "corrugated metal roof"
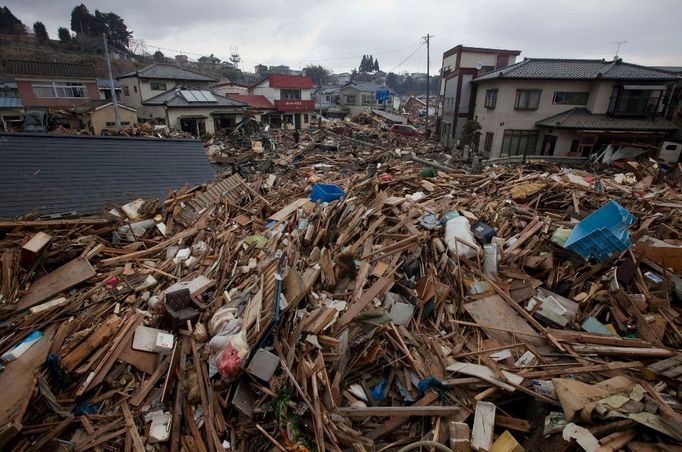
(558, 69)
(290, 81)
(11, 102)
(47, 69)
(63, 173)
(581, 118)
(168, 72)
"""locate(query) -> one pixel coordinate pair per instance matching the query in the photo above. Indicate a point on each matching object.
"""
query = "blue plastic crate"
(326, 193)
(602, 232)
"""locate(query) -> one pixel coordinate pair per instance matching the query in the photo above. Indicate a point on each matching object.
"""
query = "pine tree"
(370, 64)
(9, 24)
(376, 65)
(363, 64)
(64, 35)
(41, 32)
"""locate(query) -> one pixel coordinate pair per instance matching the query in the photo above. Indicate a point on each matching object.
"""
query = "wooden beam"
(399, 411)
(65, 277)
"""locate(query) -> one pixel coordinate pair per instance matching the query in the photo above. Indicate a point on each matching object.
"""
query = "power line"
(410, 56)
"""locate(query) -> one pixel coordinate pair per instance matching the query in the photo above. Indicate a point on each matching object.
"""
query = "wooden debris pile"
(243, 316)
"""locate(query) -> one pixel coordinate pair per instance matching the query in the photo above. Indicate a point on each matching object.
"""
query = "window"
(366, 99)
(305, 118)
(135, 88)
(350, 100)
(291, 94)
(126, 90)
(574, 146)
(157, 86)
(635, 100)
(570, 98)
(328, 98)
(488, 145)
(59, 90)
(490, 98)
(113, 124)
(485, 70)
(527, 99)
(519, 142)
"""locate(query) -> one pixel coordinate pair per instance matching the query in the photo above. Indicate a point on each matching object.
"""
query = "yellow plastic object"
(506, 443)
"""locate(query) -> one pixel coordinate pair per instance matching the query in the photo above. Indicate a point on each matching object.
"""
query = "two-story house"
(53, 85)
(460, 65)
(143, 84)
(327, 102)
(361, 97)
(570, 107)
(292, 97)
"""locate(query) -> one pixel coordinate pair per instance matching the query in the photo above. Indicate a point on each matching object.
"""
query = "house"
(104, 87)
(281, 69)
(143, 84)
(53, 85)
(572, 107)
(196, 111)
(182, 59)
(414, 105)
(342, 78)
(260, 69)
(227, 87)
(98, 115)
(11, 107)
(460, 65)
(257, 105)
(292, 97)
(359, 97)
(327, 102)
(209, 61)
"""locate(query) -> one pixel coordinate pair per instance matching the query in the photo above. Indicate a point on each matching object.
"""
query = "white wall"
(224, 90)
(504, 116)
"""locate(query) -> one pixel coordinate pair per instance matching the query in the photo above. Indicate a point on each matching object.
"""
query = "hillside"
(13, 47)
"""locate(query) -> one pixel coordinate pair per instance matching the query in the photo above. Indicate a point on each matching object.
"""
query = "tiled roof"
(46, 69)
(11, 102)
(581, 118)
(558, 69)
(255, 101)
(64, 173)
(103, 83)
(290, 81)
(168, 72)
(174, 98)
(366, 87)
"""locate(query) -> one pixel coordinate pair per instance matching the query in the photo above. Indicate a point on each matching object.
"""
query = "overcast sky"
(337, 33)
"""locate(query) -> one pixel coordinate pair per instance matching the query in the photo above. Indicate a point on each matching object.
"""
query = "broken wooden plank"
(65, 277)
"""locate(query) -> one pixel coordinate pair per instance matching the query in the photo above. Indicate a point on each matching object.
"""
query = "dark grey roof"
(168, 72)
(64, 173)
(581, 118)
(673, 69)
(106, 83)
(47, 69)
(558, 69)
(174, 98)
(366, 87)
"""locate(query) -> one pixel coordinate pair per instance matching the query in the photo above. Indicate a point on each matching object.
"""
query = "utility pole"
(428, 39)
(111, 83)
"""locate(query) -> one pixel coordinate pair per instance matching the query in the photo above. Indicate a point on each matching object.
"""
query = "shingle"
(581, 118)
(64, 173)
(557, 69)
(169, 72)
(47, 69)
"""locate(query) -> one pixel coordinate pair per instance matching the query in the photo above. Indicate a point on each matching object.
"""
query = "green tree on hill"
(9, 24)
(41, 32)
(81, 20)
(64, 35)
